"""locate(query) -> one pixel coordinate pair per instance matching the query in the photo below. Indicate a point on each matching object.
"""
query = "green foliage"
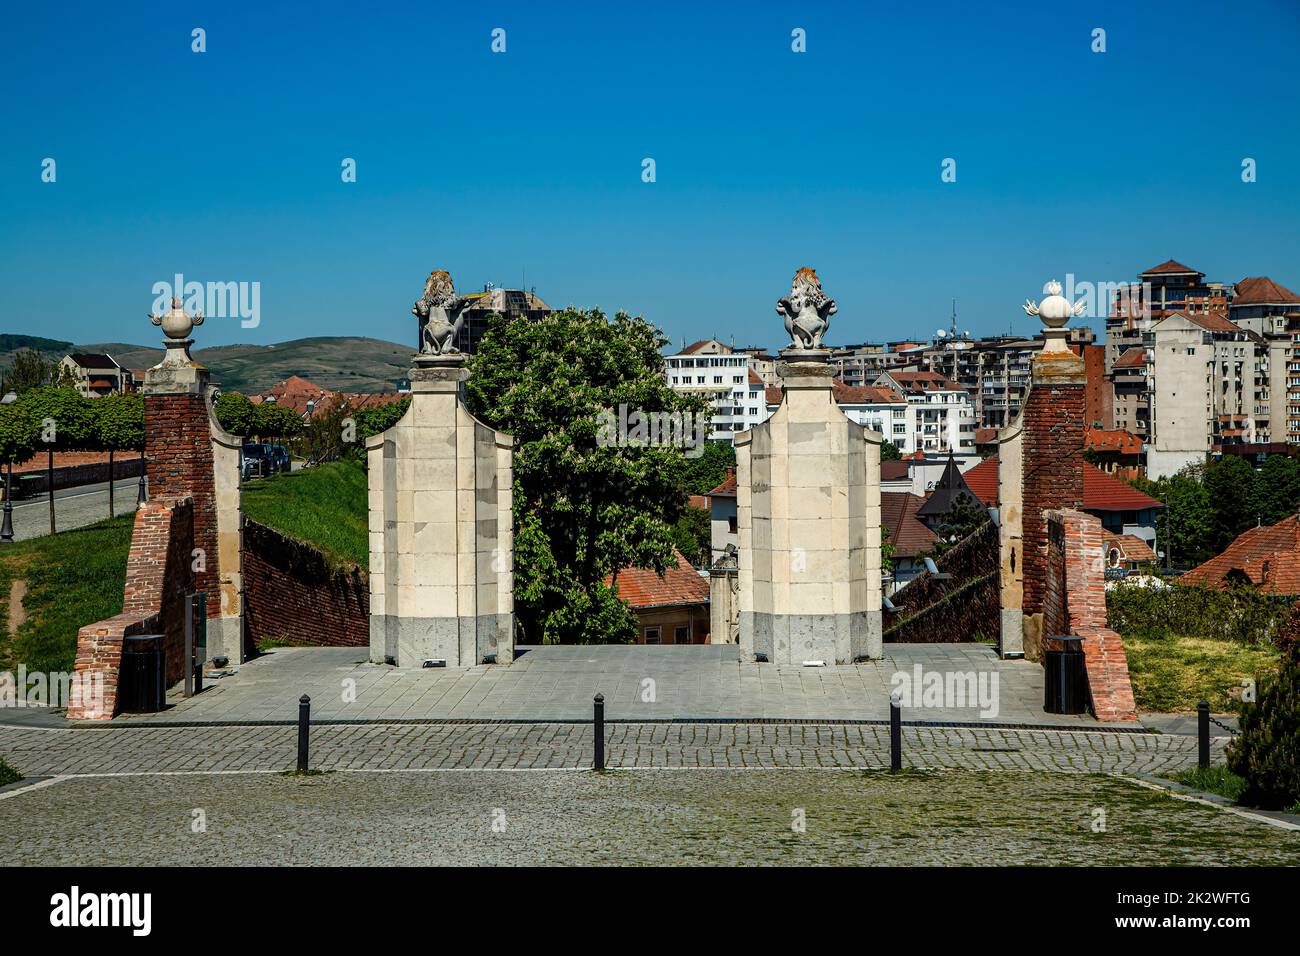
(1230, 486)
(889, 451)
(379, 418)
(693, 536)
(264, 421)
(325, 507)
(1186, 529)
(27, 370)
(19, 435)
(118, 422)
(964, 517)
(1171, 672)
(8, 774)
(583, 509)
(73, 578)
(1267, 751)
(1238, 614)
(1216, 779)
(65, 417)
(705, 473)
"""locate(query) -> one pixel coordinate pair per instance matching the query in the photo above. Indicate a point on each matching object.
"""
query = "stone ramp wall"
(964, 607)
(293, 594)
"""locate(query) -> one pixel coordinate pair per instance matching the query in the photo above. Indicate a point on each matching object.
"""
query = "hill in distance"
(341, 363)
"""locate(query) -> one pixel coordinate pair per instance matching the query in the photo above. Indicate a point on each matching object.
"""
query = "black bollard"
(304, 721)
(1203, 734)
(598, 721)
(895, 733)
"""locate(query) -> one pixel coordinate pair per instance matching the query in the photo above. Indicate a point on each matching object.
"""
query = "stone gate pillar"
(441, 551)
(808, 510)
(189, 455)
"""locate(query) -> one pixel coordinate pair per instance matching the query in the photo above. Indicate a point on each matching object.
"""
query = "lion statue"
(807, 310)
(440, 313)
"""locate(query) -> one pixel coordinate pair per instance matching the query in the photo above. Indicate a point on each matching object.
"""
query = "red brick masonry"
(158, 577)
(293, 594)
(1074, 602)
(1053, 472)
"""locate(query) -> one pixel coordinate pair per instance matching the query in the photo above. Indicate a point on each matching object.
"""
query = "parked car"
(254, 462)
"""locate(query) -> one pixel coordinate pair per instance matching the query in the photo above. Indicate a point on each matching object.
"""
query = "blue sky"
(526, 166)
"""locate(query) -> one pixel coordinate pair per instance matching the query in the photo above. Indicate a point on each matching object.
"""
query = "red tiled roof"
(1268, 556)
(895, 470)
(1132, 358)
(1170, 266)
(985, 436)
(982, 480)
(1130, 546)
(866, 394)
(773, 394)
(696, 346)
(643, 588)
(1263, 291)
(754, 379)
(1112, 440)
(1210, 321)
(728, 487)
(925, 381)
(907, 533)
(1101, 492)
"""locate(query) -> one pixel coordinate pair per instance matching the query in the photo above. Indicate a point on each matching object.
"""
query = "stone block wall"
(1074, 602)
(158, 578)
(441, 548)
(808, 527)
(293, 594)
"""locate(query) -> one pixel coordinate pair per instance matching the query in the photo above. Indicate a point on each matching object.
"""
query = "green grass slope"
(325, 507)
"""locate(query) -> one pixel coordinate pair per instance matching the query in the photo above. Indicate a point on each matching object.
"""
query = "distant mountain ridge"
(340, 363)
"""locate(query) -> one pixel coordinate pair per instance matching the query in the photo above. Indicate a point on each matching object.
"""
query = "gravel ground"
(626, 817)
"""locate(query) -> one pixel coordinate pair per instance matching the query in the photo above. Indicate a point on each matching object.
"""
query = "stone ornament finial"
(440, 312)
(177, 324)
(807, 310)
(1056, 309)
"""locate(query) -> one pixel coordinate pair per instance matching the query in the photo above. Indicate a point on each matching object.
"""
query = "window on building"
(731, 524)
(652, 635)
(682, 634)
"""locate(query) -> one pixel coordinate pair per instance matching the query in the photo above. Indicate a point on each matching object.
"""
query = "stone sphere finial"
(177, 323)
(1055, 310)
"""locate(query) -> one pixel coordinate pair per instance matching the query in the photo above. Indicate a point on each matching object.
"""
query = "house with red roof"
(671, 608)
(1267, 558)
(909, 535)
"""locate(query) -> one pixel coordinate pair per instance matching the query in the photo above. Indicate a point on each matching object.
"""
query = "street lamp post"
(7, 528)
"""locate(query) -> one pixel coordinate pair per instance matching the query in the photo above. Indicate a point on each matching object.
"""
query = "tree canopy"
(584, 509)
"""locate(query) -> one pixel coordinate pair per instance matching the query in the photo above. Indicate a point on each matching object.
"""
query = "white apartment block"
(940, 417)
(735, 391)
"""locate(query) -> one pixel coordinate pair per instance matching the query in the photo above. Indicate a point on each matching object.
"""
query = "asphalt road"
(73, 507)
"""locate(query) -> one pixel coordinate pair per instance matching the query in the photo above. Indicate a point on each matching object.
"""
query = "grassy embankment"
(324, 507)
(1172, 674)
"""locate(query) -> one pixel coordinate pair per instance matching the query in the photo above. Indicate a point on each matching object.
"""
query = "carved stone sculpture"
(440, 313)
(807, 310)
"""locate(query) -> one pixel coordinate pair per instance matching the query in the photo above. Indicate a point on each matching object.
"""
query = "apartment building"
(859, 365)
(725, 376)
(482, 307)
(97, 374)
(1272, 311)
(939, 415)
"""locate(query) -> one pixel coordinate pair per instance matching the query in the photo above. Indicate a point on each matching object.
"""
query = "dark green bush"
(1267, 752)
(1237, 614)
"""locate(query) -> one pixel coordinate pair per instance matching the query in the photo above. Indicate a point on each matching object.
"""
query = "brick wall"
(293, 594)
(1074, 602)
(158, 576)
(178, 445)
(1053, 465)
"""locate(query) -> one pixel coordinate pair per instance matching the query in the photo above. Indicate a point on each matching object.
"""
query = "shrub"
(1238, 614)
(8, 774)
(1267, 752)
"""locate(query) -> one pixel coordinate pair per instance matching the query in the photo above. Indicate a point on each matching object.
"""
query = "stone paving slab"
(638, 683)
(116, 749)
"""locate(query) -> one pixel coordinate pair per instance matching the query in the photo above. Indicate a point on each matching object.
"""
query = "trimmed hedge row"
(1238, 614)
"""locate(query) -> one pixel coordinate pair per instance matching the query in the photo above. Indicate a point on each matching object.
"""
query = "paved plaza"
(554, 683)
(673, 817)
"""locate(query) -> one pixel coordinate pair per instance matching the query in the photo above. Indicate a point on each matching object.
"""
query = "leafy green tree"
(585, 505)
(235, 413)
(264, 421)
(964, 517)
(889, 451)
(19, 435)
(117, 422)
(693, 536)
(65, 417)
(1185, 529)
(1267, 750)
(379, 418)
(709, 470)
(1230, 484)
(29, 369)
(1277, 488)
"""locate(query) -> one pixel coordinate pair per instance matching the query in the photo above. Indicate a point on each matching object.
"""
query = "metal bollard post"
(599, 725)
(1203, 734)
(304, 721)
(895, 732)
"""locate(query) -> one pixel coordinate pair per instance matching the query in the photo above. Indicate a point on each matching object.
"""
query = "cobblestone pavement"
(724, 817)
(376, 746)
(639, 683)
